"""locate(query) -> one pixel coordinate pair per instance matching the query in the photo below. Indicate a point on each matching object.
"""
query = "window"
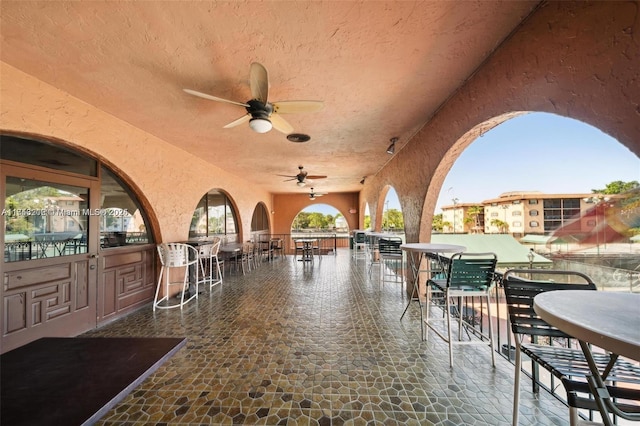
(533, 201)
(494, 214)
(533, 213)
(38, 223)
(558, 210)
(534, 224)
(49, 155)
(516, 213)
(517, 224)
(260, 219)
(214, 215)
(122, 220)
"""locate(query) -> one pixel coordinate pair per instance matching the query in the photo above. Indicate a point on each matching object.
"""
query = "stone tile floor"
(315, 344)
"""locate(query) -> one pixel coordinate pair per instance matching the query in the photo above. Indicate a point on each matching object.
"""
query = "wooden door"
(50, 241)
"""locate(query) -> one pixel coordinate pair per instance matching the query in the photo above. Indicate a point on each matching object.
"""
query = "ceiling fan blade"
(259, 82)
(213, 98)
(280, 124)
(289, 176)
(290, 107)
(316, 177)
(238, 122)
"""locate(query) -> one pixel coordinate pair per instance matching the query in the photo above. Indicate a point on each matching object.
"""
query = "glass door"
(50, 244)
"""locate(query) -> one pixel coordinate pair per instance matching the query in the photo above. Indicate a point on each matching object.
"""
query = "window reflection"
(44, 219)
(122, 221)
(214, 215)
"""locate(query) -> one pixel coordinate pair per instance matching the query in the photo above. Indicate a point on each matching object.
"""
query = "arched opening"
(392, 219)
(530, 176)
(215, 216)
(324, 222)
(260, 221)
(536, 175)
(76, 222)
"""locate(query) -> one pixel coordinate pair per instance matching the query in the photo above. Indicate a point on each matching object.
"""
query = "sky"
(535, 152)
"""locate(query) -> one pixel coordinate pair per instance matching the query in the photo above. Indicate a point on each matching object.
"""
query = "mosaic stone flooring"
(315, 344)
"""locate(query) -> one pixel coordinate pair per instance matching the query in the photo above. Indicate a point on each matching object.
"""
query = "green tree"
(617, 187)
(502, 226)
(437, 224)
(473, 218)
(367, 222)
(394, 219)
(317, 221)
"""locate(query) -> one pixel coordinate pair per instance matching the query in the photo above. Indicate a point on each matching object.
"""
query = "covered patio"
(316, 344)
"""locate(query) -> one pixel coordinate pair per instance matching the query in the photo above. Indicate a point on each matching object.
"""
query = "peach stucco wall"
(287, 206)
(170, 181)
(576, 59)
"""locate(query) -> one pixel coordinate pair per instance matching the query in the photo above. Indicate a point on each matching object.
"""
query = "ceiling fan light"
(312, 197)
(301, 184)
(260, 125)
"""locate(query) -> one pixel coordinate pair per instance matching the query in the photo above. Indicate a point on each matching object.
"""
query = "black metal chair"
(565, 362)
(469, 275)
(391, 260)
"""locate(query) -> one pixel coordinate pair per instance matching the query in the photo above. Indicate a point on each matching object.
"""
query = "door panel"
(128, 280)
(50, 277)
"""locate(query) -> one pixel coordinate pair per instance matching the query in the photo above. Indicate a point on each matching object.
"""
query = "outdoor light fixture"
(530, 256)
(260, 125)
(392, 147)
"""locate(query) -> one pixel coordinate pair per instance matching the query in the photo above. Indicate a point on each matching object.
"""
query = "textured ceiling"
(381, 68)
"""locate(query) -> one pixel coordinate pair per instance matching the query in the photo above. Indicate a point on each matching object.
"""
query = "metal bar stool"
(176, 256)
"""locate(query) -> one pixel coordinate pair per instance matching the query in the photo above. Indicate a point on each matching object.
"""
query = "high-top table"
(415, 253)
(307, 248)
(608, 320)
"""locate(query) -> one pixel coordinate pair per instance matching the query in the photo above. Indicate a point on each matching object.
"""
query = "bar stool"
(176, 256)
(276, 247)
(209, 263)
(219, 268)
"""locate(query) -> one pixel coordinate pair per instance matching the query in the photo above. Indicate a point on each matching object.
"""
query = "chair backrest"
(204, 250)
(247, 248)
(176, 254)
(472, 270)
(360, 237)
(390, 246)
(215, 247)
(520, 291)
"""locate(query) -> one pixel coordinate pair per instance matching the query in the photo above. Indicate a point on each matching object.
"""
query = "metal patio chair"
(469, 275)
(551, 348)
(184, 258)
(391, 260)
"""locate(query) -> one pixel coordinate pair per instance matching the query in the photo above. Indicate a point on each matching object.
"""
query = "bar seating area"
(315, 343)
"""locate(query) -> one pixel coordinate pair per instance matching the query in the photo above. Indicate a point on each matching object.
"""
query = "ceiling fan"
(262, 115)
(303, 177)
(313, 195)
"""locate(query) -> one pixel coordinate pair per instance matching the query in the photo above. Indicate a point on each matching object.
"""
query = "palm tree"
(502, 226)
(473, 214)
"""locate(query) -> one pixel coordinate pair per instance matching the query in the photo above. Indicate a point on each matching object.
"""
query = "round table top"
(433, 248)
(609, 320)
(231, 247)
